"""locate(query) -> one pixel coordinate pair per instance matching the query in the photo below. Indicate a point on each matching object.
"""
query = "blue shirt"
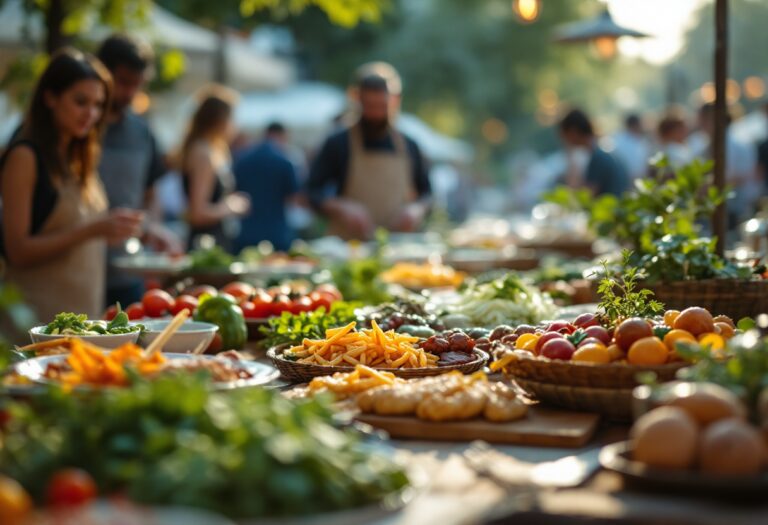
(265, 173)
(605, 175)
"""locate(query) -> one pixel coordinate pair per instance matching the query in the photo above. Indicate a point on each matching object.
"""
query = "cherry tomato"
(280, 304)
(184, 302)
(262, 305)
(197, 291)
(239, 290)
(152, 284)
(301, 304)
(247, 308)
(321, 299)
(110, 313)
(330, 289)
(135, 311)
(15, 503)
(70, 488)
(157, 303)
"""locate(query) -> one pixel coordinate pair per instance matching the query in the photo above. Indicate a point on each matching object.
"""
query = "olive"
(500, 331)
(525, 329)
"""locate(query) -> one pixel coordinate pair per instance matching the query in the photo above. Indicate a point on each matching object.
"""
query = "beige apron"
(73, 281)
(379, 180)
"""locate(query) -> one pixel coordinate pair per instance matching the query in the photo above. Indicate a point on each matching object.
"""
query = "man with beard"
(131, 162)
(370, 175)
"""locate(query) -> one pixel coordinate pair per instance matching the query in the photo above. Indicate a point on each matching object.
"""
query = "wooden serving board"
(541, 427)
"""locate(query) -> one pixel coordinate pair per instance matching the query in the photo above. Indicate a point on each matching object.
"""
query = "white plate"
(105, 341)
(34, 370)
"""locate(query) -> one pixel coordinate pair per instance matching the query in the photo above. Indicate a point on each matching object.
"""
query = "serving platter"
(545, 427)
(33, 370)
(617, 457)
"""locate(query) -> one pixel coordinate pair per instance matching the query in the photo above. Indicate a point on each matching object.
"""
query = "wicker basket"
(732, 297)
(613, 375)
(606, 389)
(613, 403)
(304, 372)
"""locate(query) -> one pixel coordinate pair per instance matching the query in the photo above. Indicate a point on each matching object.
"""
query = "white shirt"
(633, 152)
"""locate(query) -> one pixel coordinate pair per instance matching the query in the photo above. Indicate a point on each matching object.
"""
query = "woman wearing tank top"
(213, 205)
(54, 219)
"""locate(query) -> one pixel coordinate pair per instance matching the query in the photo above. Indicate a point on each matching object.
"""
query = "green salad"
(247, 453)
(67, 323)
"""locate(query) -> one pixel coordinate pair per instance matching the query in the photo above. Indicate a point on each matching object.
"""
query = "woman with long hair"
(213, 205)
(54, 219)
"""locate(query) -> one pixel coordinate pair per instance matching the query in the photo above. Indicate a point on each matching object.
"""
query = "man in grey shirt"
(131, 162)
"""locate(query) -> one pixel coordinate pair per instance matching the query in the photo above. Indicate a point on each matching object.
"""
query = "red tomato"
(249, 310)
(110, 313)
(70, 488)
(262, 305)
(280, 304)
(157, 303)
(239, 290)
(135, 311)
(330, 289)
(301, 304)
(152, 284)
(197, 291)
(184, 302)
(321, 299)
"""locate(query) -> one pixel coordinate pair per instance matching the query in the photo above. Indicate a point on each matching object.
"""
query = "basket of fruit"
(594, 363)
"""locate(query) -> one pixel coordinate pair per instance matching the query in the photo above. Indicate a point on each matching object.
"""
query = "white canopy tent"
(247, 69)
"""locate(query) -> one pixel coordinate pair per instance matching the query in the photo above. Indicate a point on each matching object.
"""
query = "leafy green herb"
(294, 328)
(660, 221)
(170, 441)
(67, 323)
(358, 279)
(619, 298)
(215, 258)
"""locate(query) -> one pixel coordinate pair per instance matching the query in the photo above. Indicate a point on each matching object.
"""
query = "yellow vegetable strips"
(373, 348)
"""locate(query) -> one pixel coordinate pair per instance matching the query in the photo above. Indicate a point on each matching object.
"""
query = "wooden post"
(720, 219)
(54, 18)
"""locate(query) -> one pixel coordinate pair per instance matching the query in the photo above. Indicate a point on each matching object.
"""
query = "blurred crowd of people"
(79, 178)
(611, 164)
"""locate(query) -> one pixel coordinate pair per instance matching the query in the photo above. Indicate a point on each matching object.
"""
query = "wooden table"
(454, 494)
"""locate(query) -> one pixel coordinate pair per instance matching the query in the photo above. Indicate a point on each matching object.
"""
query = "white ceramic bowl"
(104, 341)
(187, 337)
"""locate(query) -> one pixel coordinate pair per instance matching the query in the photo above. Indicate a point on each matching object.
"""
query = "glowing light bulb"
(606, 47)
(526, 11)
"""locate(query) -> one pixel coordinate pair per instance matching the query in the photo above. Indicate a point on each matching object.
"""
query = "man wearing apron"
(370, 175)
(130, 160)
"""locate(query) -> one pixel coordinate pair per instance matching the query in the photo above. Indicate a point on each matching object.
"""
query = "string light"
(526, 11)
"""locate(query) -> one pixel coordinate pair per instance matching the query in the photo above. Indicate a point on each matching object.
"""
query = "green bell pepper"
(228, 316)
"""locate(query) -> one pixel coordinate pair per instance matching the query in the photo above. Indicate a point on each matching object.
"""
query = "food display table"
(451, 490)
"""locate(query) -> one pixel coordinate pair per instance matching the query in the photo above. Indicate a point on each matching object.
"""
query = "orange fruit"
(673, 336)
(670, 316)
(526, 341)
(616, 353)
(695, 320)
(725, 319)
(15, 503)
(726, 330)
(648, 351)
(632, 330)
(592, 353)
(712, 340)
